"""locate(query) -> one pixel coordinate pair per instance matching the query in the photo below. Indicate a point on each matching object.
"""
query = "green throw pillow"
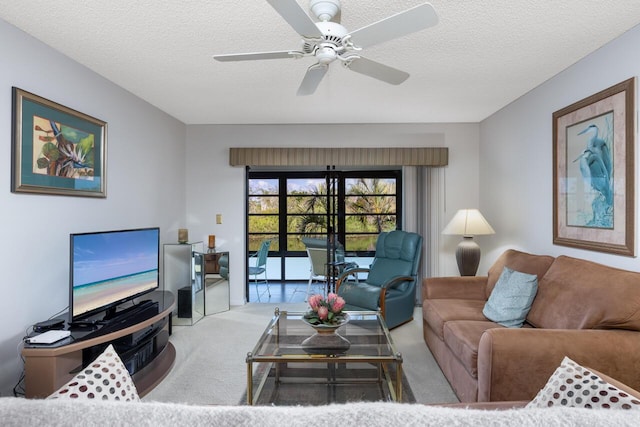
(511, 298)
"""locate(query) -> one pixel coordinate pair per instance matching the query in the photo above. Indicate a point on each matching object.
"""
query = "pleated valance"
(356, 156)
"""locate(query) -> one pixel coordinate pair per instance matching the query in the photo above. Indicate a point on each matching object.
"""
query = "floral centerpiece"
(326, 311)
(326, 316)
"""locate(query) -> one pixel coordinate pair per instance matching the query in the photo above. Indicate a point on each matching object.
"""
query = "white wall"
(516, 169)
(215, 187)
(145, 185)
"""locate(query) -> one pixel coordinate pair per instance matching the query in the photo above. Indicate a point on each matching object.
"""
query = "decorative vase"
(183, 235)
(326, 339)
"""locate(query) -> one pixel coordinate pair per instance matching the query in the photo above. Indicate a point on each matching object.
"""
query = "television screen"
(112, 267)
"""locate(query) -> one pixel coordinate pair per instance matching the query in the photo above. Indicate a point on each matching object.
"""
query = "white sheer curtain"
(424, 201)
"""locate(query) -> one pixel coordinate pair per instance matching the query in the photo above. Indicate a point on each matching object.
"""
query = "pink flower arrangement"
(327, 311)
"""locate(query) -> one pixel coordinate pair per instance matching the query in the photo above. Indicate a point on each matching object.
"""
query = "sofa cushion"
(511, 298)
(518, 261)
(360, 296)
(436, 312)
(579, 294)
(463, 337)
(578, 387)
(106, 378)
(34, 412)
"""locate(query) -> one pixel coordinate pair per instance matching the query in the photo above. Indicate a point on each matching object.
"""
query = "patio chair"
(318, 261)
(318, 269)
(260, 267)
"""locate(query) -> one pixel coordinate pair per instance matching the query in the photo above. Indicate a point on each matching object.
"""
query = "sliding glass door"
(284, 207)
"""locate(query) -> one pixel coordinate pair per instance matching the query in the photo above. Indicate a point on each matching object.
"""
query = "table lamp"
(468, 223)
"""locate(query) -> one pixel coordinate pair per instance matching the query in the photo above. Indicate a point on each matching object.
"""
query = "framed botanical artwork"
(593, 172)
(56, 150)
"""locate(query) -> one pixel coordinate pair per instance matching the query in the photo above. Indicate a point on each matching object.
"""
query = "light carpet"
(210, 365)
(297, 392)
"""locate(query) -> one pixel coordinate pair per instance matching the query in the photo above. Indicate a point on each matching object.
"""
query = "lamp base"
(468, 256)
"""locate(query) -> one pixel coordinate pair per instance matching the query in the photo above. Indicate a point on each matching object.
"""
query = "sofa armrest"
(514, 364)
(465, 287)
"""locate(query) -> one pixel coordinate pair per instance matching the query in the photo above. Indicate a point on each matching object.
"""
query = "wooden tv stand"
(47, 368)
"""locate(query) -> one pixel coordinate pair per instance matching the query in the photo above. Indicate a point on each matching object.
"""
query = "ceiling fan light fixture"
(326, 55)
(325, 10)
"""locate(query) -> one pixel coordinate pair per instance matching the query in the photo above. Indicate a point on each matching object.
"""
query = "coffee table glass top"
(366, 332)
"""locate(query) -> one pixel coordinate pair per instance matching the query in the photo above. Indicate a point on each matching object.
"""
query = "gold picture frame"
(56, 150)
(594, 172)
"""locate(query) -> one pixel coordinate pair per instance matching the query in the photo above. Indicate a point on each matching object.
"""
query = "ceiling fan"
(328, 41)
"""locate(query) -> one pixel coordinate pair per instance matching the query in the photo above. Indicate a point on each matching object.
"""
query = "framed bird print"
(593, 172)
(56, 150)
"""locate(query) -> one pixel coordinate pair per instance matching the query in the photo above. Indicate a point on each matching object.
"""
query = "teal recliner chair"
(391, 283)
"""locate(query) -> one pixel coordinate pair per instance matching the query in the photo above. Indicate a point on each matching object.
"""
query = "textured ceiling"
(482, 55)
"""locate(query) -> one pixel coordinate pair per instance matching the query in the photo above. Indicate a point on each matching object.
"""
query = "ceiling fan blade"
(377, 70)
(312, 79)
(398, 25)
(258, 55)
(295, 16)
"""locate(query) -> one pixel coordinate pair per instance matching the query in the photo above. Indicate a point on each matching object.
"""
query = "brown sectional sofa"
(586, 311)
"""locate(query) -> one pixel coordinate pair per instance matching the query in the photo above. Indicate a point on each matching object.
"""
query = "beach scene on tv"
(110, 267)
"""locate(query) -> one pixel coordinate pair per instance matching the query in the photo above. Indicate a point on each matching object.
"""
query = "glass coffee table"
(371, 369)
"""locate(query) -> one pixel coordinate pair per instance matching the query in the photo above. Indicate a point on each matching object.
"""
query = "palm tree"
(315, 206)
(376, 209)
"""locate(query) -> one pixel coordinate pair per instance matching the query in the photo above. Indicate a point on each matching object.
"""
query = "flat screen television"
(109, 268)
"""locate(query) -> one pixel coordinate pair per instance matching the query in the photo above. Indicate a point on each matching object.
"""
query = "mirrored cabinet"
(184, 273)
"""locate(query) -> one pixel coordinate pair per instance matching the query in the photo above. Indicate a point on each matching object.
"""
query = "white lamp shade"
(468, 222)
